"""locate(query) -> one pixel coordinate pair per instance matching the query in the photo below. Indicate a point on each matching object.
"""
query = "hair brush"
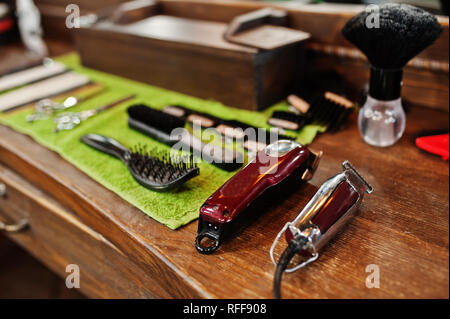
(158, 171)
(327, 109)
(330, 109)
(154, 123)
(389, 35)
(170, 130)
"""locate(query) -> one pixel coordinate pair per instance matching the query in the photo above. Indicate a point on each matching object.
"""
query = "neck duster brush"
(402, 33)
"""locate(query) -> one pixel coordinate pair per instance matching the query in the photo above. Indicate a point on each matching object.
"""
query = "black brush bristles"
(154, 123)
(403, 32)
(155, 168)
(157, 119)
(158, 171)
(287, 120)
(328, 113)
(390, 35)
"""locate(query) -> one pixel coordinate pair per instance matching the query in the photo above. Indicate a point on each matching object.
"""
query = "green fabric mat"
(174, 208)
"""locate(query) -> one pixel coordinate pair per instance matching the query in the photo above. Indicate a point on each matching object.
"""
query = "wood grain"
(324, 22)
(58, 238)
(22, 276)
(402, 227)
(191, 56)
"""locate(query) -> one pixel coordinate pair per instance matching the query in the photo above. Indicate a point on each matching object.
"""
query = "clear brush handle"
(381, 123)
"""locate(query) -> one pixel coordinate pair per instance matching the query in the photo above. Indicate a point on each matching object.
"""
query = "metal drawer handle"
(15, 227)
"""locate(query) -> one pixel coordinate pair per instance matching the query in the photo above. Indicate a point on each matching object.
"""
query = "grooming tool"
(36, 73)
(256, 142)
(297, 104)
(287, 120)
(254, 146)
(43, 89)
(326, 213)
(202, 119)
(435, 144)
(69, 120)
(228, 206)
(156, 171)
(169, 130)
(402, 32)
(47, 107)
(229, 128)
(327, 109)
(330, 110)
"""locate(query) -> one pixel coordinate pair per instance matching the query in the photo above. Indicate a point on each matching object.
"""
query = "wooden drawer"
(57, 238)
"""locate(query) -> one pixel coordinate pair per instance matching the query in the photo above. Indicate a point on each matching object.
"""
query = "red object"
(227, 207)
(6, 25)
(436, 144)
(337, 205)
(244, 187)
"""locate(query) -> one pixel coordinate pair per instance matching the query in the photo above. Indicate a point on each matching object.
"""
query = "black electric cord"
(294, 247)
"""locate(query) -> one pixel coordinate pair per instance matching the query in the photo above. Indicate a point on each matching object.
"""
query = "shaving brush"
(389, 36)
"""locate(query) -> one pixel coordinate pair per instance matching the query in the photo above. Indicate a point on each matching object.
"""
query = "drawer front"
(58, 238)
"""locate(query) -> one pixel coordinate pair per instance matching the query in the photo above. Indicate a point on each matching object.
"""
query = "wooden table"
(403, 227)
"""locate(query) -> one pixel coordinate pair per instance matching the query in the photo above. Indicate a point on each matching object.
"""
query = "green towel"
(174, 208)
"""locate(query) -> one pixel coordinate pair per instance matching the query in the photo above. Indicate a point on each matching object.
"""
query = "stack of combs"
(327, 109)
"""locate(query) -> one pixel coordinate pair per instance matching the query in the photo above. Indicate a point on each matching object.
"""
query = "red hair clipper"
(326, 213)
(228, 206)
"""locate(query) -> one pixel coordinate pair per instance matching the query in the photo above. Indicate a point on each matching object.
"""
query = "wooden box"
(189, 56)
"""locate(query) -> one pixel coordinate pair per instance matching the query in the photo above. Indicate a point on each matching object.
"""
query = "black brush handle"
(106, 145)
(151, 131)
(385, 85)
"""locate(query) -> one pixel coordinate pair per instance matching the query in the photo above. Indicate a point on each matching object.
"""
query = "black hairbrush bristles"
(153, 122)
(159, 171)
(287, 120)
(327, 109)
(330, 110)
(170, 130)
(160, 167)
(403, 32)
(160, 120)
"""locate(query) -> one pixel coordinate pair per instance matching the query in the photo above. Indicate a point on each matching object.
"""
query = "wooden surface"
(57, 237)
(323, 21)
(403, 227)
(191, 56)
(22, 276)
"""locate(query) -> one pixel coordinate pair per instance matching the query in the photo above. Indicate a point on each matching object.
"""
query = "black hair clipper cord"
(327, 212)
